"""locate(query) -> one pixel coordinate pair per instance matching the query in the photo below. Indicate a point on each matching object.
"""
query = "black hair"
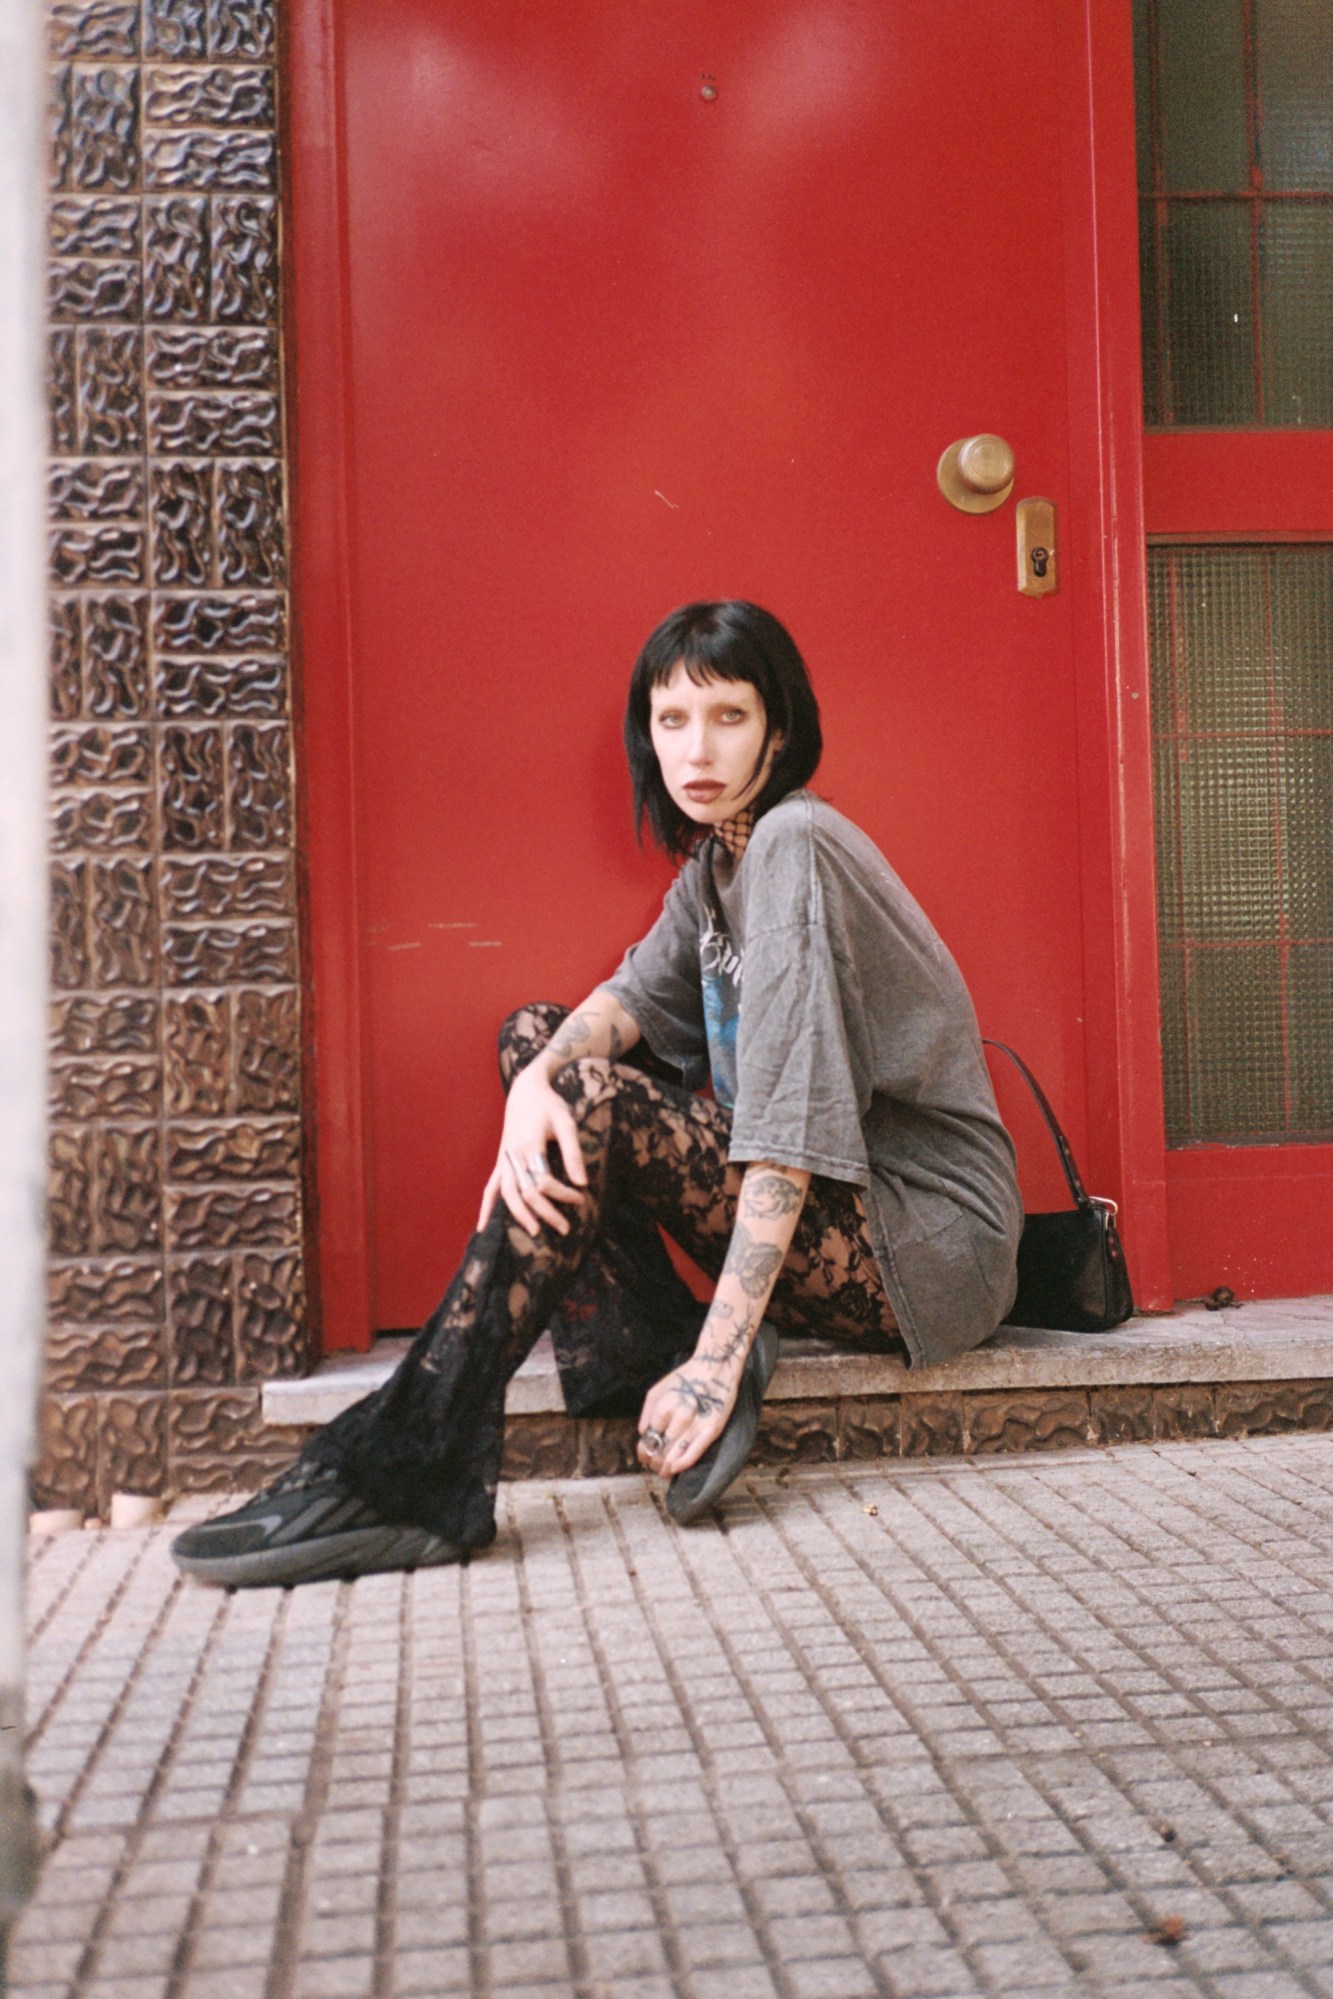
(731, 640)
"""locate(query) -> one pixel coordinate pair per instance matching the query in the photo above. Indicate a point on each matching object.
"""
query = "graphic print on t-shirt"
(720, 967)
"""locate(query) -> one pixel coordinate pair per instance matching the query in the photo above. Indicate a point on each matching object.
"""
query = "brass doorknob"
(976, 474)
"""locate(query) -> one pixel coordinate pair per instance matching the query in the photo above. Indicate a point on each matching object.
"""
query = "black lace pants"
(425, 1448)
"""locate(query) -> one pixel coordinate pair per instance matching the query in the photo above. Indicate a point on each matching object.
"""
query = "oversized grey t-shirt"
(811, 986)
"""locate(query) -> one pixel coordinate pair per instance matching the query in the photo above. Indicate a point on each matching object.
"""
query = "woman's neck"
(734, 834)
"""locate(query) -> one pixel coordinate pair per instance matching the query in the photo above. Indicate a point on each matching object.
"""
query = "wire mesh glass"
(1235, 160)
(1241, 642)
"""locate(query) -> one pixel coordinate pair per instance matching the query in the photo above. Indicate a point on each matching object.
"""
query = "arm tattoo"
(767, 1196)
(697, 1395)
(617, 1043)
(753, 1264)
(571, 1036)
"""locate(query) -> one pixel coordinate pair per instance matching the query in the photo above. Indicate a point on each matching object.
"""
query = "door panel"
(614, 345)
(1235, 117)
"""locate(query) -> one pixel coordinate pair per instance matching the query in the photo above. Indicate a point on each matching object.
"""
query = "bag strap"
(1062, 1145)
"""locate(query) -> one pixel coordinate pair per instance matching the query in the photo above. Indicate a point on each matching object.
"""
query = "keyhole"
(1040, 558)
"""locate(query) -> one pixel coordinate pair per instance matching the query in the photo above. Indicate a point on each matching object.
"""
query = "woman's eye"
(669, 718)
(735, 715)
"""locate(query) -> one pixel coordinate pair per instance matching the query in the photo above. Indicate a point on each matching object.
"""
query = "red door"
(687, 301)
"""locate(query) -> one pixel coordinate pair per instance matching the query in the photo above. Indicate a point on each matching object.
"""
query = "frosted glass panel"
(1241, 645)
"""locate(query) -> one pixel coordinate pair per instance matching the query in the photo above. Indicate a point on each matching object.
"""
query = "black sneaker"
(304, 1528)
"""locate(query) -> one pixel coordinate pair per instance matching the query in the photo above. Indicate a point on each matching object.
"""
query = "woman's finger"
(567, 1138)
(488, 1194)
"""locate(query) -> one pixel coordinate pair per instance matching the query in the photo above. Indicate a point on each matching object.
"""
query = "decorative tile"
(1121, 1415)
(241, 28)
(182, 518)
(93, 28)
(250, 525)
(245, 260)
(90, 1357)
(270, 1317)
(932, 1426)
(200, 1309)
(219, 624)
(871, 1428)
(797, 1433)
(93, 226)
(96, 1026)
(66, 1469)
(59, 125)
(100, 1089)
(95, 489)
(221, 358)
(176, 263)
(131, 1445)
(129, 1188)
(66, 675)
(1051, 1419)
(104, 128)
(69, 1192)
(93, 1293)
(540, 1447)
(115, 647)
(98, 755)
(175, 28)
(258, 885)
(241, 1151)
(80, 291)
(223, 94)
(268, 1052)
(101, 819)
(236, 161)
(101, 555)
(124, 922)
(70, 961)
(62, 391)
(197, 1039)
(200, 687)
(230, 1217)
(192, 788)
(1184, 1410)
(218, 1441)
(607, 1446)
(203, 425)
(259, 761)
(110, 391)
(214, 955)
(1263, 1408)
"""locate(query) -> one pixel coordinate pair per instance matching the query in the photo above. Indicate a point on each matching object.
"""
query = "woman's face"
(708, 740)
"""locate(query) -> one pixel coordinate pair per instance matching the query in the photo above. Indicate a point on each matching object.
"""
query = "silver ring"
(654, 1440)
(536, 1167)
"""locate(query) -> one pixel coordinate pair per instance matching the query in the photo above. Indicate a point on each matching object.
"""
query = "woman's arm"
(537, 1116)
(689, 1407)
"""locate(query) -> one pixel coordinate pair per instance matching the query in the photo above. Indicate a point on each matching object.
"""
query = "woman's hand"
(536, 1118)
(687, 1409)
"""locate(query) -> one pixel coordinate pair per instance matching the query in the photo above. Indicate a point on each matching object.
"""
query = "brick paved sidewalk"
(1029, 1726)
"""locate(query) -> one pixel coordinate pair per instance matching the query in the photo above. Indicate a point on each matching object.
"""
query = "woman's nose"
(700, 746)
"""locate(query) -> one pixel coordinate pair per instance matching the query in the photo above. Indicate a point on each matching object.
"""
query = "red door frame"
(1105, 550)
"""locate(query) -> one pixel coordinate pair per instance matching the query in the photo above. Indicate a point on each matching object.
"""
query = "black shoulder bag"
(1071, 1266)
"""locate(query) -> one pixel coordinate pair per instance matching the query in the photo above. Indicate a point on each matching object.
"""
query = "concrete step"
(1244, 1370)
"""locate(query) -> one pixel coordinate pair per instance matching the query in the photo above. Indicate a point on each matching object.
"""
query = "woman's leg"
(426, 1447)
(628, 1317)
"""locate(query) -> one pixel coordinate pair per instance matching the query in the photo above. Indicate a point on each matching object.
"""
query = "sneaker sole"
(360, 1551)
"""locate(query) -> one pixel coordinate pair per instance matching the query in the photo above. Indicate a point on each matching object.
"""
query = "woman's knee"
(525, 1033)
(588, 1083)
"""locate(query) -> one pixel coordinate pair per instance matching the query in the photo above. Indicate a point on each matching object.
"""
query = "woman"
(849, 1176)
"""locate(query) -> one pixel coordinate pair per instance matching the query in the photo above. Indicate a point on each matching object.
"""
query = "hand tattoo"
(736, 1342)
(753, 1264)
(704, 1401)
(766, 1196)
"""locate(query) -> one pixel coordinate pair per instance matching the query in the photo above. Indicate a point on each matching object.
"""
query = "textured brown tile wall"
(175, 1210)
